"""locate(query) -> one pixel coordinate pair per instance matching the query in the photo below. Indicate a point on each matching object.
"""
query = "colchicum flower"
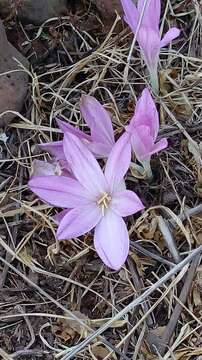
(93, 199)
(143, 130)
(101, 139)
(148, 36)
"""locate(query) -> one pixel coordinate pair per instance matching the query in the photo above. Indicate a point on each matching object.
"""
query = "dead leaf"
(165, 85)
(188, 354)
(148, 227)
(68, 329)
(100, 352)
(195, 150)
(196, 296)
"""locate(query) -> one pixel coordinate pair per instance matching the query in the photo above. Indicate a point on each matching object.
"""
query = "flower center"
(103, 202)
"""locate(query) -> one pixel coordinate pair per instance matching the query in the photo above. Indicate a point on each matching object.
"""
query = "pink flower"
(148, 35)
(94, 198)
(101, 140)
(144, 127)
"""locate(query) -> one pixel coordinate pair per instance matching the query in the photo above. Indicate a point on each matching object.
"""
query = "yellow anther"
(104, 201)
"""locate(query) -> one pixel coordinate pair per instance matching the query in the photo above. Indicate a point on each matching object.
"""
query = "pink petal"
(57, 218)
(111, 240)
(65, 127)
(171, 34)
(142, 142)
(146, 114)
(120, 186)
(160, 145)
(126, 203)
(118, 161)
(44, 168)
(84, 165)
(131, 14)
(149, 42)
(151, 17)
(79, 221)
(98, 120)
(59, 191)
(54, 148)
(65, 168)
(99, 150)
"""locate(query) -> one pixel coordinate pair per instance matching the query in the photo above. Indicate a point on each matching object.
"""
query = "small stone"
(13, 85)
(33, 11)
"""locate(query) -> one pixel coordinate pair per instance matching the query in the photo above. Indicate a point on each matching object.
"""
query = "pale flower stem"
(154, 79)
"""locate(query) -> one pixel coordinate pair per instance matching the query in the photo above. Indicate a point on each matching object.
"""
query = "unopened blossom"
(101, 138)
(143, 130)
(147, 14)
(45, 168)
(93, 199)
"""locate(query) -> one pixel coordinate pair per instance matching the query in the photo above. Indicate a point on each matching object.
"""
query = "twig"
(150, 321)
(178, 308)
(134, 303)
(13, 234)
(32, 335)
(150, 254)
(170, 242)
(138, 283)
(66, 311)
(179, 125)
(27, 352)
(188, 213)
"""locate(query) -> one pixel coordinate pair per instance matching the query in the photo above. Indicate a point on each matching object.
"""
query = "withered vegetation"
(58, 301)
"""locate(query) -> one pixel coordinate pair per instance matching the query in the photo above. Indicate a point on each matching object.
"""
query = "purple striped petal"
(99, 150)
(151, 14)
(126, 203)
(118, 161)
(98, 120)
(149, 41)
(65, 127)
(55, 148)
(79, 221)
(57, 218)
(131, 14)
(111, 240)
(171, 34)
(160, 145)
(142, 142)
(59, 191)
(84, 165)
(145, 114)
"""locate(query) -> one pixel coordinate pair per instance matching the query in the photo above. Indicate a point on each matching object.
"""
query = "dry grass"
(60, 302)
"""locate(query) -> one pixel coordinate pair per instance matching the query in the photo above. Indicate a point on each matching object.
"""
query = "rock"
(13, 86)
(33, 11)
(107, 8)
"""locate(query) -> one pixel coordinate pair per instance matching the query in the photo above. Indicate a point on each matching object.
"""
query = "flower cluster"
(96, 198)
(92, 197)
